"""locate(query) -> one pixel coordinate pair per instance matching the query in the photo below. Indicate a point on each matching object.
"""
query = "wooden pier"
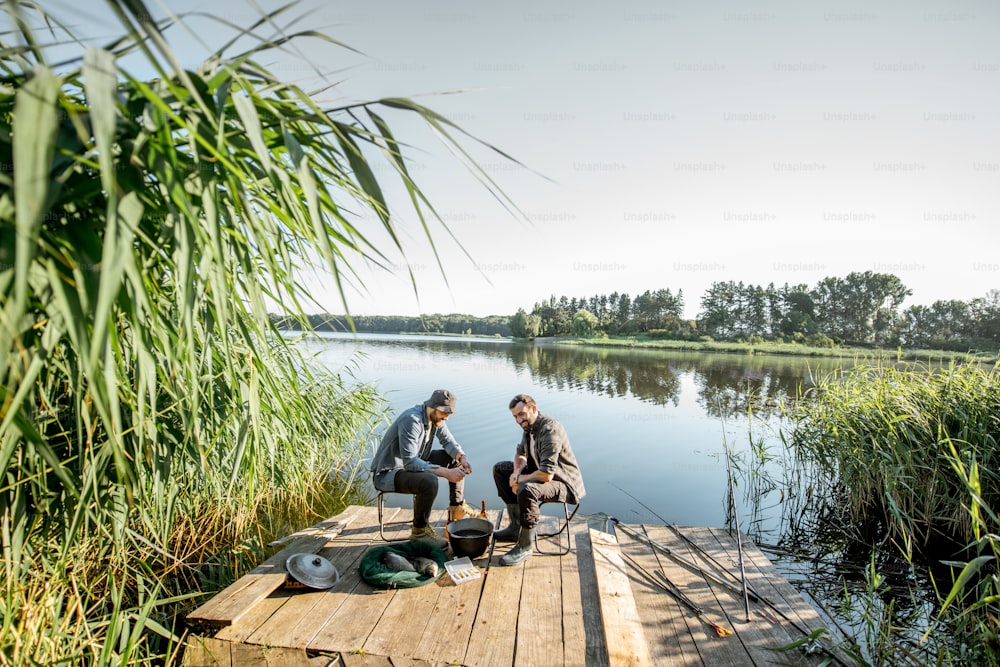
(601, 604)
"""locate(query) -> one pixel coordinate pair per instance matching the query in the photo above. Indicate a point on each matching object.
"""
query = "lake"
(655, 423)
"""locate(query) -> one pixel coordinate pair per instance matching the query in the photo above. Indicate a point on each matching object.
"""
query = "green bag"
(377, 575)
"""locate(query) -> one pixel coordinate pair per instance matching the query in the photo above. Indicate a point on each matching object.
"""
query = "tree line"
(614, 314)
(494, 325)
(862, 308)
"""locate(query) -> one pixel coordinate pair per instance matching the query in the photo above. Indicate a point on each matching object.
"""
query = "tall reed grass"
(909, 460)
(155, 429)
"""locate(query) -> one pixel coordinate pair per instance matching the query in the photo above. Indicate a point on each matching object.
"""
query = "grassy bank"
(779, 348)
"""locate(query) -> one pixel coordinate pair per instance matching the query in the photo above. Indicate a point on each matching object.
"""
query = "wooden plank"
(362, 660)
(240, 596)
(539, 618)
(494, 631)
(321, 527)
(593, 625)
(248, 622)
(764, 579)
(666, 622)
(278, 656)
(758, 637)
(278, 629)
(326, 661)
(246, 655)
(206, 652)
(361, 608)
(356, 610)
(294, 625)
(268, 621)
(626, 643)
(295, 622)
(398, 630)
(450, 624)
(714, 650)
(574, 635)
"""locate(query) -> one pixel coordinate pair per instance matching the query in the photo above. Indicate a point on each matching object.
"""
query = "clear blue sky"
(681, 143)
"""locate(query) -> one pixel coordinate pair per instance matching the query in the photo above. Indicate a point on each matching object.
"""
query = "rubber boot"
(522, 550)
(509, 534)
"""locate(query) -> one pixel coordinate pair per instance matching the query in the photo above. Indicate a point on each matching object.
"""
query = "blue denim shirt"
(406, 446)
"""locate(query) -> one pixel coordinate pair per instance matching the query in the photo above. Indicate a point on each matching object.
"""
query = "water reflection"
(728, 385)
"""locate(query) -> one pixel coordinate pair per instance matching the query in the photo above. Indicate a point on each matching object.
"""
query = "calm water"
(652, 422)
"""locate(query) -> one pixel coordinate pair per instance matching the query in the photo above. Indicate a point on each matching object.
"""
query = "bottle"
(447, 538)
(482, 510)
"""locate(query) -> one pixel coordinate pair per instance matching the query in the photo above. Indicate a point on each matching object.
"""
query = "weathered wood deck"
(590, 607)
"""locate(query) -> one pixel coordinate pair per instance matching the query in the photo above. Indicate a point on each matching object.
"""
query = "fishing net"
(377, 575)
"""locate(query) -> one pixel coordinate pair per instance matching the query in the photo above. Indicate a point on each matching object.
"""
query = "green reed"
(156, 430)
(907, 460)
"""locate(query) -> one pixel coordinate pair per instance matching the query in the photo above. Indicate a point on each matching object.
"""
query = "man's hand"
(514, 480)
(454, 475)
(463, 460)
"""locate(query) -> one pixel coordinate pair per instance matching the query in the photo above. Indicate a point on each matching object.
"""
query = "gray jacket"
(406, 446)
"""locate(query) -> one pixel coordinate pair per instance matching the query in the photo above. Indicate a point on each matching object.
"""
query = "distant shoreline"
(783, 349)
(721, 347)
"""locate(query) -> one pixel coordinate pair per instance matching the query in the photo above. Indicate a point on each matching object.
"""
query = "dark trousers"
(424, 487)
(530, 495)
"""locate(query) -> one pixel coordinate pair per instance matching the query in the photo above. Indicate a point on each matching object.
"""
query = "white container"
(462, 570)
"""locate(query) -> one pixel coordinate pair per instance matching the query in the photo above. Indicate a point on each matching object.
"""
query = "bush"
(820, 340)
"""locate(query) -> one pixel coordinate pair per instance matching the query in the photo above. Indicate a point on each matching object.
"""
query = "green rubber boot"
(509, 534)
(522, 550)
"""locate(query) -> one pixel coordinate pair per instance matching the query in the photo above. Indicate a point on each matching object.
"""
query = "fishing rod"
(736, 521)
(680, 558)
(718, 567)
(671, 588)
(757, 597)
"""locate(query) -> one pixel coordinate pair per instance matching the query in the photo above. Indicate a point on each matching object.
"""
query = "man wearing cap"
(405, 462)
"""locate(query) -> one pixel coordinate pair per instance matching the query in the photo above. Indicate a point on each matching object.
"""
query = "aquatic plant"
(906, 463)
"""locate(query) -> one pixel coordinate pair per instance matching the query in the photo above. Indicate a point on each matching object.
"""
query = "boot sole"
(515, 562)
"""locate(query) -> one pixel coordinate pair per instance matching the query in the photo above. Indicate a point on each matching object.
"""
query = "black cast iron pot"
(469, 537)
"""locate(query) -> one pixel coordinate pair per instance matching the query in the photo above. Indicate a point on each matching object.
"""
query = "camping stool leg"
(381, 521)
(561, 551)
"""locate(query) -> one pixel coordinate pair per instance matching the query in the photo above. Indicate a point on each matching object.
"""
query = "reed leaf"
(155, 429)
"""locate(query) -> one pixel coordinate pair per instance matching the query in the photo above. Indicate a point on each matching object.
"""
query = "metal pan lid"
(312, 570)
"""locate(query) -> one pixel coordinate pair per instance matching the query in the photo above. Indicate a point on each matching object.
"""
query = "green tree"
(860, 308)
(623, 313)
(519, 324)
(945, 324)
(985, 314)
(719, 316)
(797, 312)
(584, 323)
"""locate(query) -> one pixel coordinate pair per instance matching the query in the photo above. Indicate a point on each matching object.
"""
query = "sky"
(663, 145)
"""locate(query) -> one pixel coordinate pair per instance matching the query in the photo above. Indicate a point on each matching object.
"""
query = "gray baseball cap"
(442, 400)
